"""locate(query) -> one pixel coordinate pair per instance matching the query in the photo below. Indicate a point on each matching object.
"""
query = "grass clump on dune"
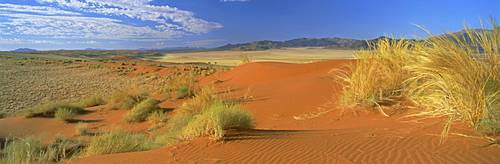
(377, 74)
(128, 97)
(204, 115)
(113, 141)
(460, 77)
(452, 75)
(49, 108)
(91, 101)
(141, 111)
(65, 114)
(31, 150)
(215, 120)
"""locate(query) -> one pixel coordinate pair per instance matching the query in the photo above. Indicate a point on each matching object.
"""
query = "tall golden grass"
(376, 74)
(452, 75)
(460, 77)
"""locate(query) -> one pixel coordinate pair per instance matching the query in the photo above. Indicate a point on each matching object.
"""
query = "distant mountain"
(23, 50)
(299, 42)
(327, 43)
(93, 49)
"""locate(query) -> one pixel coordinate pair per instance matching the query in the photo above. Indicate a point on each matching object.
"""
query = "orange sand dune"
(275, 92)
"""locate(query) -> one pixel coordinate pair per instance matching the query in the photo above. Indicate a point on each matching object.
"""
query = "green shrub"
(142, 111)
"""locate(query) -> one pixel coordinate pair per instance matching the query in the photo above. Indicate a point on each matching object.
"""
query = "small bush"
(65, 114)
(141, 111)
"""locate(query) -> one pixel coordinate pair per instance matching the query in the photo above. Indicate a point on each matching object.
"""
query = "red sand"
(274, 93)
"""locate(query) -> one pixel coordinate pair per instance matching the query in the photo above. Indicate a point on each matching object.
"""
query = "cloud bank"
(99, 19)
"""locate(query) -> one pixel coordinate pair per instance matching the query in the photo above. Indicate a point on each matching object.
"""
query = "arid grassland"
(25, 82)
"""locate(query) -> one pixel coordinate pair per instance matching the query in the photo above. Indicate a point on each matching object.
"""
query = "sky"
(133, 24)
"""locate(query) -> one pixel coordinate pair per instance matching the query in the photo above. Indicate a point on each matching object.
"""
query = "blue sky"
(132, 24)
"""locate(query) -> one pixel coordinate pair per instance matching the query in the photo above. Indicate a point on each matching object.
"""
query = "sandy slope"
(274, 93)
(280, 91)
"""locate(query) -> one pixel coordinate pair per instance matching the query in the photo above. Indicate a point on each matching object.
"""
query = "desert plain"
(291, 94)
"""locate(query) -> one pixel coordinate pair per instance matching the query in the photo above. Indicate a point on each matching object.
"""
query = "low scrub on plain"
(457, 76)
(141, 111)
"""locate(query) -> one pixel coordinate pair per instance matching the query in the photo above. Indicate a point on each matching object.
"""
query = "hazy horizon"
(133, 24)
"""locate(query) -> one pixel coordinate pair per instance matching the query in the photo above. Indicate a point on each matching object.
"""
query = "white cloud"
(234, 0)
(35, 9)
(140, 9)
(79, 27)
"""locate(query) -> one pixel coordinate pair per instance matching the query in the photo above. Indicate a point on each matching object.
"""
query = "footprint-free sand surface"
(279, 95)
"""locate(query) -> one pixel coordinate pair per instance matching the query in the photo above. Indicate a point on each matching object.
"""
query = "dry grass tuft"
(141, 111)
(48, 109)
(460, 77)
(244, 59)
(82, 129)
(215, 120)
(93, 100)
(377, 74)
(65, 114)
(128, 98)
(113, 140)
